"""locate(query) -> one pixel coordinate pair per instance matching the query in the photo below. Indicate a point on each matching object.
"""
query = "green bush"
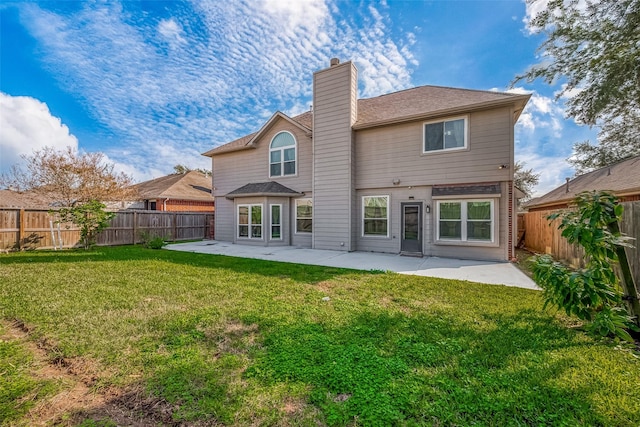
(152, 242)
(593, 293)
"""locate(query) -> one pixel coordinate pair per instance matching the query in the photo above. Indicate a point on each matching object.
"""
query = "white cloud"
(26, 124)
(542, 112)
(171, 31)
(534, 8)
(544, 139)
(552, 170)
(236, 63)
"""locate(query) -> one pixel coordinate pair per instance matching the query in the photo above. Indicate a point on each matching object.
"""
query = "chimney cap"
(334, 62)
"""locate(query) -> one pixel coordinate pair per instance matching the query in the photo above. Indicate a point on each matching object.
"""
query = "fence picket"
(541, 237)
(31, 228)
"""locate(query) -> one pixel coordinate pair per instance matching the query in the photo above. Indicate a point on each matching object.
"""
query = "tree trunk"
(628, 285)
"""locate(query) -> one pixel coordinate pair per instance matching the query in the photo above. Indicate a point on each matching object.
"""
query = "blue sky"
(153, 84)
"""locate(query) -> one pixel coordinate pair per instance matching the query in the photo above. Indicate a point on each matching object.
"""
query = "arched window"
(282, 155)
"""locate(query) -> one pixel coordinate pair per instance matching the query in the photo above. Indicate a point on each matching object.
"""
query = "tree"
(90, 216)
(182, 169)
(593, 46)
(67, 177)
(525, 179)
(593, 293)
(78, 182)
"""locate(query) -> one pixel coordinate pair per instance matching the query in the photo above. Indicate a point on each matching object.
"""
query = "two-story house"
(423, 171)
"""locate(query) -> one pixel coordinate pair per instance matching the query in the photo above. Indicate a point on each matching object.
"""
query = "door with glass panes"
(411, 238)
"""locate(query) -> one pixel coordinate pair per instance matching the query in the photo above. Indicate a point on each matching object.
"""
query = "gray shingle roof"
(15, 200)
(622, 178)
(271, 188)
(425, 101)
(406, 105)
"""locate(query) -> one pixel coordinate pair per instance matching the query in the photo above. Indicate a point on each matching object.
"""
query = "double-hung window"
(466, 220)
(304, 215)
(445, 135)
(250, 221)
(276, 222)
(375, 216)
(282, 155)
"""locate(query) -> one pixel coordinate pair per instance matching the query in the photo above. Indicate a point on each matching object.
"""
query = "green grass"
(239, 341)
(19, 388)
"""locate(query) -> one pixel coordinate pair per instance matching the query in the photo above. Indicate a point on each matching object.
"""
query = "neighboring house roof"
(192, 185)
(622, 178)
(406, 105)
(271, 188)
(15, 200)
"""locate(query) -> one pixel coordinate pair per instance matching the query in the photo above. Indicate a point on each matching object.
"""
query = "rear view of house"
(424, 171)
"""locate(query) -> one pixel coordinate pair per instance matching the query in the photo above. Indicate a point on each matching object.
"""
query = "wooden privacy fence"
(542, 237)
(35, 229)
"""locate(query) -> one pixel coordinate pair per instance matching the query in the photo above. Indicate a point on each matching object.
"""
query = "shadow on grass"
(298, 272)
(383, 369)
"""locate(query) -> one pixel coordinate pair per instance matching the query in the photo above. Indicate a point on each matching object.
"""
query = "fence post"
(175, 226)
(20, 228)
(135, 226)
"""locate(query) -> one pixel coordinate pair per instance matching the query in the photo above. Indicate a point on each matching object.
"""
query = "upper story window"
(282, 155)
(445, 135)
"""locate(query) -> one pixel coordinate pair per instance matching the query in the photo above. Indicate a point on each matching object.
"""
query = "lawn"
(164, 337)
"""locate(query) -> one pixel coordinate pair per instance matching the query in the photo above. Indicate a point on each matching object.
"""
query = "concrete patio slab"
(494, 273)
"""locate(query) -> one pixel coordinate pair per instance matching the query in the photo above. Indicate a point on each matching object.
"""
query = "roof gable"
(302, 121)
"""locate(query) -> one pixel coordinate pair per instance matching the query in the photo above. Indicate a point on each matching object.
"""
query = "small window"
(250, 221)
(466, 220)
(375, 216)
(445, 135)
(276, 222)
(282, 155)
(304, 215)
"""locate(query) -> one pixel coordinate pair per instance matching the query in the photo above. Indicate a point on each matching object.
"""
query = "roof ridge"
(494, 92)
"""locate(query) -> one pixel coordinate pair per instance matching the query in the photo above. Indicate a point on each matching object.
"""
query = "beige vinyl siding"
(235, 169)
(397, 196)
(334, 90)
(224, 220)
(395, 152)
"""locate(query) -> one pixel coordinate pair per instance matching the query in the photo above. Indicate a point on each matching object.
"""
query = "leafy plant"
(150, 241)
(91, 217)
(592, 293)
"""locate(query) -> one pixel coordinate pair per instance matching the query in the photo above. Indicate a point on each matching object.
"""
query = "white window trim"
(281, 149)
(377, 236)
(249, 224)
(295, 226)
(463, 215)
(445, 150)
(271, 224)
